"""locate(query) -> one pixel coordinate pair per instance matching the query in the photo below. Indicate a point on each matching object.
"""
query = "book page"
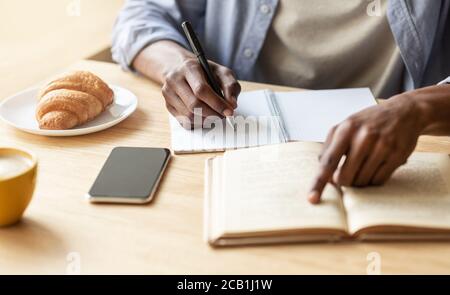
(265, 189)
(309, 115)
(254, 123)
(417, 195)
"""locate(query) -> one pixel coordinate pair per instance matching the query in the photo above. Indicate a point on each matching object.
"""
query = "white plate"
(19, 111)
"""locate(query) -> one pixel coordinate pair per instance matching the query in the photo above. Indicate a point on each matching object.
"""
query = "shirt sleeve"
(143, 22)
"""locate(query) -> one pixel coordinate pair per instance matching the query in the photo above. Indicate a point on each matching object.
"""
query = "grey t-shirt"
(324, 44)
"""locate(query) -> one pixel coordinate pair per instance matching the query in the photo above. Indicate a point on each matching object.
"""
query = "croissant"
(72, 100)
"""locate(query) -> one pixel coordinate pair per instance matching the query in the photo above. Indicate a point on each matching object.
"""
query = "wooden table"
(164, 237)
(38, 38)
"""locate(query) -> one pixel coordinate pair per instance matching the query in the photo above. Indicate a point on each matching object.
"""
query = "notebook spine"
(276, 112)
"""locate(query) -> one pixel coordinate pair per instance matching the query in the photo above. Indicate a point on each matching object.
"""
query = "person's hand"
(374, 143)
(184, 84)
(186, 89)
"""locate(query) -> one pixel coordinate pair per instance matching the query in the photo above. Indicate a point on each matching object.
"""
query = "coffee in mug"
(17, 181)
(11, 165)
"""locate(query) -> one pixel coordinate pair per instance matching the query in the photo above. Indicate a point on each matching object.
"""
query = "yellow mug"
(16, 189)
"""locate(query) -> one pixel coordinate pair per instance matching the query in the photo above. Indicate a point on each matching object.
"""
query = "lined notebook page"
(265, 189)
(259, 128)
(418, 194)
(309, 115)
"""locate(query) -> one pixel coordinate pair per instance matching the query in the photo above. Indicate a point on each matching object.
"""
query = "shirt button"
(248, 53)
(265, 9)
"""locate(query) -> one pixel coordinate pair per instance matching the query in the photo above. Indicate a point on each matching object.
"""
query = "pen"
(198, 51)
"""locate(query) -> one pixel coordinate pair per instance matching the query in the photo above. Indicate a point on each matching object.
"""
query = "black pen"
(198, 51)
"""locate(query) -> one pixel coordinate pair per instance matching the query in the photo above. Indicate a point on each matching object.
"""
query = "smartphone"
(130, 175)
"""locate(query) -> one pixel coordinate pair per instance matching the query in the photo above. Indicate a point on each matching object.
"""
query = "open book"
(265, 117)
(258, 195)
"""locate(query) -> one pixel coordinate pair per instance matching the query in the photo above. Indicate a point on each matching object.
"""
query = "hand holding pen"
(197, 83)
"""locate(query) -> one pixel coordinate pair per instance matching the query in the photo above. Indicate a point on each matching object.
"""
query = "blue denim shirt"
(233, 33)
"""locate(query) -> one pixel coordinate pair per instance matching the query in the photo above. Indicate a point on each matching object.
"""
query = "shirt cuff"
(446, 81)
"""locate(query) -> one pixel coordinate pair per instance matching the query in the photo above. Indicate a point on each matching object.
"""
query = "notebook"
(264, 117)
(258, 195)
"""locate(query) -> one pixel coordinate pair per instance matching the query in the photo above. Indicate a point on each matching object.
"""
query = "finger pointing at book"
(369, 146)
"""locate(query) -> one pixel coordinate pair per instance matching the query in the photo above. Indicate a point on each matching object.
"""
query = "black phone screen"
(130, 175)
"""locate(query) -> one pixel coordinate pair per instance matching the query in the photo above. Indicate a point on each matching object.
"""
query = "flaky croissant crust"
(72, 100)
